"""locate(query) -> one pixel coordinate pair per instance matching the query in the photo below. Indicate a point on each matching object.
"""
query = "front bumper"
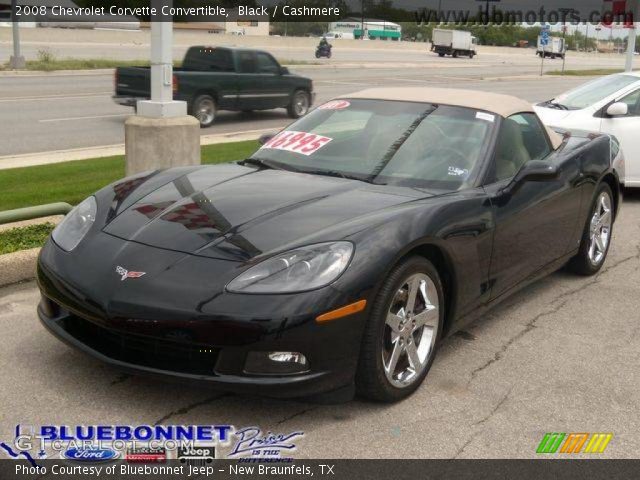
(137, 330)
(126, 100)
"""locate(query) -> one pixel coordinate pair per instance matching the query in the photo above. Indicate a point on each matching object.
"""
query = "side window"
(633, 101)
(522, 138)
(221, 60)
(246, 62)
(266, 64)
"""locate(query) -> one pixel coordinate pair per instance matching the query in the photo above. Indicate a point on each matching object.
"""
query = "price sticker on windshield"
(335, 105)
(297, 142)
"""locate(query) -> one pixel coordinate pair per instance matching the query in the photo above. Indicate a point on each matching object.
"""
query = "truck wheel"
(441, 54)
(204, 109)
(454, 54)
(471, 54)
(299, 105)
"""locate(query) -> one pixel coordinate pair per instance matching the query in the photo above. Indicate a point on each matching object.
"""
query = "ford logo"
(90, 454)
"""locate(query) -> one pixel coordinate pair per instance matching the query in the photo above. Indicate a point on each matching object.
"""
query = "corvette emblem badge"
(124, 273)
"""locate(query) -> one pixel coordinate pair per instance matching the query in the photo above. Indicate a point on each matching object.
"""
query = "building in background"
(122, 22)
(256, 25)
(373, 29)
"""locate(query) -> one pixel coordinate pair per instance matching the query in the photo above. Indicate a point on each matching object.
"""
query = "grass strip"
(71, 182)
(24, 238)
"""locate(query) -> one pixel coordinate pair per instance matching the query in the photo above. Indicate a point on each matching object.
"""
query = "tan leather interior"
(511, 152)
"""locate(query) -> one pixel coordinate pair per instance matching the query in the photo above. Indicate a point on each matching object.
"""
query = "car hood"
(236, 212)
(551, 116)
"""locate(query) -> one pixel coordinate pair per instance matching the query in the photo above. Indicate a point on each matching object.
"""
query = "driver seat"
(511, 152)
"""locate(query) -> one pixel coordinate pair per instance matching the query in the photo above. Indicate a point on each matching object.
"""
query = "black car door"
(536, 221)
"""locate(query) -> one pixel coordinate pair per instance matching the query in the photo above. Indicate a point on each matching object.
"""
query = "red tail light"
(175, 84)
(115, 80)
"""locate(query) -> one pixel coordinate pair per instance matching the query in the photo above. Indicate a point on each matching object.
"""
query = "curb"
(18, 266)
(59, 156)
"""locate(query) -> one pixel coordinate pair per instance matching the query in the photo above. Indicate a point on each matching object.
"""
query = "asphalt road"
(44, 113)
(56, 112)
(561, 356)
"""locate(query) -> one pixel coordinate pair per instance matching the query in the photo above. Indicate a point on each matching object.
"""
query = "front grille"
(164, 354)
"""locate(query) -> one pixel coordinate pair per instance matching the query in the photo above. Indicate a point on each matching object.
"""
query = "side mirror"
(532, 171)
(265, 137)
(618, 109)
(284, 71)
(536, 171)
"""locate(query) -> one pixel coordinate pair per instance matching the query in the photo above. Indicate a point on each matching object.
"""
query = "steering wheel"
(449, 151)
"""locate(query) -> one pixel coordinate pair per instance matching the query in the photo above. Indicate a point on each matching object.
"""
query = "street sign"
(544, 35)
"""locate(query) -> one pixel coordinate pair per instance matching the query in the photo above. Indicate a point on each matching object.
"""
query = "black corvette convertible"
(334, 259)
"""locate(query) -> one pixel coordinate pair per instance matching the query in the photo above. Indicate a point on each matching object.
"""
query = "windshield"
(385, 142)
(594, 91)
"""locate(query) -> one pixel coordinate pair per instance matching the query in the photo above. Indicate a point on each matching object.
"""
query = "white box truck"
(454, 43)
(556, 47)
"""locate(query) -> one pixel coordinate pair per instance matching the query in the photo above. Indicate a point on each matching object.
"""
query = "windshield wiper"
(336, 173)
(556, 105)
(257, 163)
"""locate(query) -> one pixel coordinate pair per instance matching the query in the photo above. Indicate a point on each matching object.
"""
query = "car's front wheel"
(596, 236)
(402, 333)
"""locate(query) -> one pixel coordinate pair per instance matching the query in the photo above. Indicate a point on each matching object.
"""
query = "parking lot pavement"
(561, 356)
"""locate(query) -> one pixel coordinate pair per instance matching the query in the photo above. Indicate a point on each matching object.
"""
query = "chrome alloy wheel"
(206, 111)
(301, 103)
(600, 229)
(411, 329)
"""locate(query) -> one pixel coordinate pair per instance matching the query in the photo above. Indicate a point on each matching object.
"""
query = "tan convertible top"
(503, 105)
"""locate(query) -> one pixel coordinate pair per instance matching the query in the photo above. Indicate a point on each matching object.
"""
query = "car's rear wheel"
(596, 237)
(205, 109)
(299, 105)
(402, 333)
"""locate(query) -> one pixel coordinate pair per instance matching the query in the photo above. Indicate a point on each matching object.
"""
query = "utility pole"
(631, 48)
(162, 135)
(16, 62)
(362, 18)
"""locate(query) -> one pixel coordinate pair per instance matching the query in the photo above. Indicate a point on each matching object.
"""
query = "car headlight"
(305, 268)
(75, 225)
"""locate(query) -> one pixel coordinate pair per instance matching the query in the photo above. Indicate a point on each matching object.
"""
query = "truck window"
(209, 59)
(266, 64)
(246, 62)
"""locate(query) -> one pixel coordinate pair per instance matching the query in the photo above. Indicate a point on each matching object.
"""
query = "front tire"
(596, 237)
(205, 109)
(299, 104)
(402, 333)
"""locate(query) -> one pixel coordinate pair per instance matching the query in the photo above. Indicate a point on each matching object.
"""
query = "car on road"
(220, 78)
(338, 255)
(609, 104)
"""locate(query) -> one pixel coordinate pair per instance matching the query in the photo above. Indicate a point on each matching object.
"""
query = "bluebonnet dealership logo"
(90, 454)
(270, 446)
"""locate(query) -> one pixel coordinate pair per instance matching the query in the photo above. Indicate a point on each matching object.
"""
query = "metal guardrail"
(28, 213)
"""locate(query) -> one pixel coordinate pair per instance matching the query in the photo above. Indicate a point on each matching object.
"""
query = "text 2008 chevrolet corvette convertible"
(338, 255)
